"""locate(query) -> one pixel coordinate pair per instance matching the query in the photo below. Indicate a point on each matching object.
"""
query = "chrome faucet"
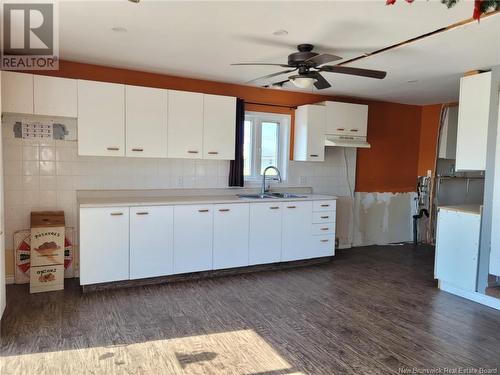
(263, 189)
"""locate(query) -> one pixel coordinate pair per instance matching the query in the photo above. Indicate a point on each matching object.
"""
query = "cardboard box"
(47, 251)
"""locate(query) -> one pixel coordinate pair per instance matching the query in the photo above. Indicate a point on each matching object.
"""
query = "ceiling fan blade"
(353, 71)
(323, 58)
(321, 83)
(272, 75)
(269, 64)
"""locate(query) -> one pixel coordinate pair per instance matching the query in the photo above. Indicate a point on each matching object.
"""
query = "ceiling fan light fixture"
(303, 82)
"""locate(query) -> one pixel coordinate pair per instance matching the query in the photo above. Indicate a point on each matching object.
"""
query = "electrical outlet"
(429, 173)
(180, 181)
(302, 180)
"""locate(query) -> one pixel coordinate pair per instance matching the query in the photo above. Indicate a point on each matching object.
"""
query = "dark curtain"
(236, 165)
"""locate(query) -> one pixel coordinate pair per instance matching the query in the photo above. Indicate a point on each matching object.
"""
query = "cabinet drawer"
(323, 246)
(324, 205)
(323, 217)
(323, 229)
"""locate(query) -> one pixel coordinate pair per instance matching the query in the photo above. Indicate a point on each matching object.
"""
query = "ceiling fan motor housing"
(299, 58)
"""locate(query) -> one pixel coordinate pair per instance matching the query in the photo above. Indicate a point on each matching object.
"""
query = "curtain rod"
(272, 105)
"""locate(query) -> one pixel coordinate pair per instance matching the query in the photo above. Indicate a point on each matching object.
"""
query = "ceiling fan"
(309, 65)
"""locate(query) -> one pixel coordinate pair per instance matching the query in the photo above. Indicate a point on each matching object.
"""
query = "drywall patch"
(382, 218)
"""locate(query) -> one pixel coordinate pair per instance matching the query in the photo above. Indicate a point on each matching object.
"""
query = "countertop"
(467, 208)
(107, 201)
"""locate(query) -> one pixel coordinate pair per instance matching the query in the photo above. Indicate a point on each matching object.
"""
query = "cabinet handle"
(291, 206)
(213, 152)
(324, 240)
(113, 148)
(142, 213)
(340, 129)
(1, 232)
(223, 209)
(138, 149)
(204, 210)
(314, 155)
(325, 228)
(354, 130)
(325, 205)
(273, 207)
(325, 217)
(192, 152)
(116, 213)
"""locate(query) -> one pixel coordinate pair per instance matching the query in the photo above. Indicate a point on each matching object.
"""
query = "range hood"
(346, 141)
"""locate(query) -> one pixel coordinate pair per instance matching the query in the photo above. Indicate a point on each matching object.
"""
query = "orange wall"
(429, 129)
(393, 129)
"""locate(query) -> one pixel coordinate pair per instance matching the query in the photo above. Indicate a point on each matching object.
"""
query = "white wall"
(46, 175)
(3, 297)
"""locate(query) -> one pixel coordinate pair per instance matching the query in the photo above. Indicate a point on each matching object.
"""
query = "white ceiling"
(202, 39)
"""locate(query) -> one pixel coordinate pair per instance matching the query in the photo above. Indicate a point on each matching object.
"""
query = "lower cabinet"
(265, 233)
(151, 241)
(104, 244)
(296, 231)
(230, 247)
(193, 230)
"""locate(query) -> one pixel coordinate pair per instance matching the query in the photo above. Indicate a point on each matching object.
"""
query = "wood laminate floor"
(373, 310)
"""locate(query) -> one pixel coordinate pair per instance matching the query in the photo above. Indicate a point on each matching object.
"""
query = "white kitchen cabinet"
(296, 231)
(346, 119)
(54, 96)
(151, 241)
(219, 127)
(104, 244)
(17, 92)
(3, 292)
(265, 233)
(473, 117)
(101, 118)
(230, 248)
(193, 231)
(185, 124)
(146, 122)
(309, 141)
(448, 137)
(457, 248)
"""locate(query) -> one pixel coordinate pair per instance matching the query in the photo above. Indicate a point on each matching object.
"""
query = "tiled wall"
(42, 174)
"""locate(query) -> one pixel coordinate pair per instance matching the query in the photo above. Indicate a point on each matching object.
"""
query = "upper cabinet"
(53, 96)
(101, 118)
(17, 92)
(473, 117)
(185, 124)
(448, 138)
(146, 122)
(309, 140)
(219, 127)
(346, 119)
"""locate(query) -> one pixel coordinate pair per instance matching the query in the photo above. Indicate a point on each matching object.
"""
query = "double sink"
(271, 196)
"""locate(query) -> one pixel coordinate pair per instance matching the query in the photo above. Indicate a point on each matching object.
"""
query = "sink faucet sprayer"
(263, 189)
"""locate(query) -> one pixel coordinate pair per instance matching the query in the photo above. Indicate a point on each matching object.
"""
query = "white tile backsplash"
(46, 174)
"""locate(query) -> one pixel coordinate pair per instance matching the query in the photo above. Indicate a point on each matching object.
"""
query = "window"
(266, 143)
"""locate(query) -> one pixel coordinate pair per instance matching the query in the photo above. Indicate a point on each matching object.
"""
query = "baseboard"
(473, 296)
(9, 279)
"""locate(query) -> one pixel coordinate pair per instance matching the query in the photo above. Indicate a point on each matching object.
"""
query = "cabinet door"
(473, 118)
(3, 292)
(54, 96)
(104, 244)
(309, 143)
(265, 233)
(151, 241)
(193, 227)
(146, 121)
(185, 124)
(323, 246)
(219, 127)
(296, 231)
(17, 92)
(346, 119)
(101, 119)
(230, 235)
